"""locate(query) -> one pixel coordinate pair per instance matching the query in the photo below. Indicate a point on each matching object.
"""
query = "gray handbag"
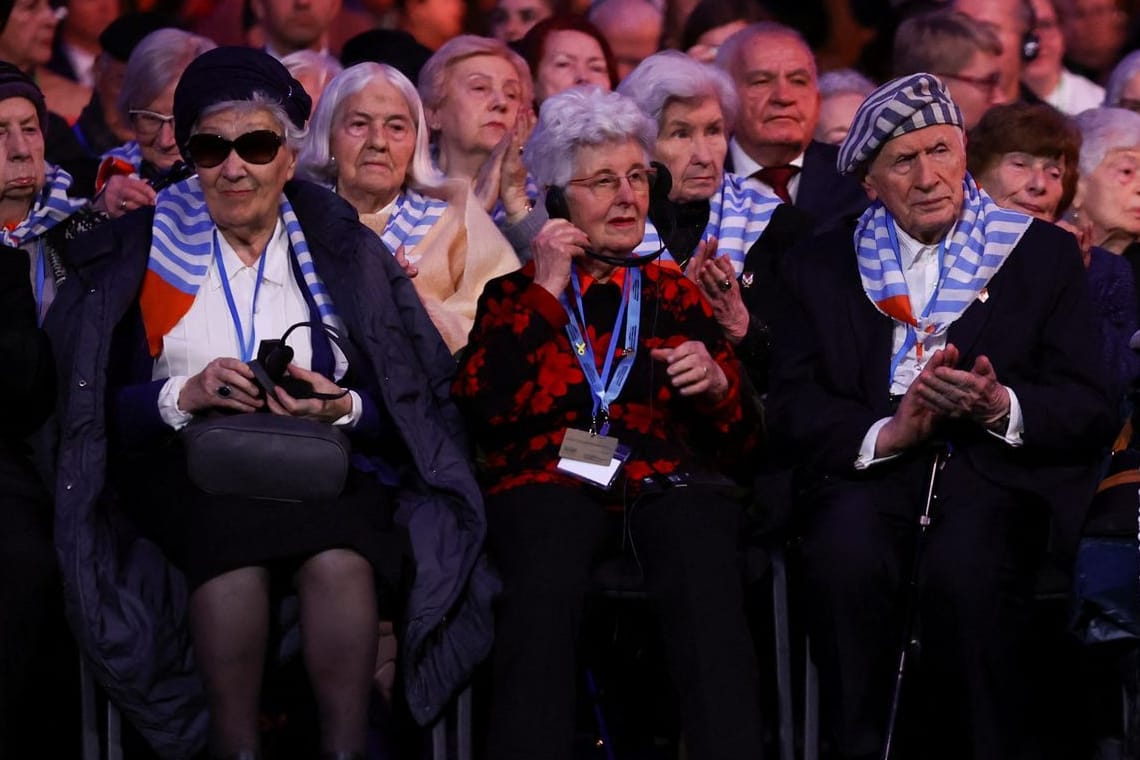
(271, 456)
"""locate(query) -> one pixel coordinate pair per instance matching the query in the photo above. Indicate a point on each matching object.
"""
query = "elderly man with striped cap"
(936, 377)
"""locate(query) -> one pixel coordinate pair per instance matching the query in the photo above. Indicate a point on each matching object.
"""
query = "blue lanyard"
(605, 388)
(244, 346)
(41, 280)
(911, 335)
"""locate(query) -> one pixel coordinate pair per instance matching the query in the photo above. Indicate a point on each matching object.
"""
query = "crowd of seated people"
(370, 361)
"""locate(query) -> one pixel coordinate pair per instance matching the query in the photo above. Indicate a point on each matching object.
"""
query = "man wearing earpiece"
(1014, 22)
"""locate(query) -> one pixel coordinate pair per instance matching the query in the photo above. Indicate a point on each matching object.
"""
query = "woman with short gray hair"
(1123, 88)
(368, 141)
(536, 382)
(722, 229)
(146, 102)
(1109, 177)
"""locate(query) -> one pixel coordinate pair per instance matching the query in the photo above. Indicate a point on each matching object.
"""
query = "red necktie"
(778, 177)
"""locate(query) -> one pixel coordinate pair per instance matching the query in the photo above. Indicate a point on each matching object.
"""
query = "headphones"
(1030, 42)
(274, 355)
(660, 210)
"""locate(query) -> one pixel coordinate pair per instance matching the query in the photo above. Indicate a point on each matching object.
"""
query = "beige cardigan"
(459, 254)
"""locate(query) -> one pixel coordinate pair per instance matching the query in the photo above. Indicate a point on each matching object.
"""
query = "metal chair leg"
(811, 705)
(89, 733)
(463, 750)
(783, 655)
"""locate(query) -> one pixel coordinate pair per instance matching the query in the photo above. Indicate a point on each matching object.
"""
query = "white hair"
(156, 63)
(670, 76)
(315, 161)
(301, 62)
(1104, 130)
(581, 116)
(731, 51)
(1124, 72)
(842, 82)
(294, 136)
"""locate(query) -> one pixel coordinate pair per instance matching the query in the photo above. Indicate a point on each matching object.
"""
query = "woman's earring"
(332, 165)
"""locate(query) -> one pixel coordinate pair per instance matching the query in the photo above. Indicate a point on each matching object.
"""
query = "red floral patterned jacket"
(520, 385)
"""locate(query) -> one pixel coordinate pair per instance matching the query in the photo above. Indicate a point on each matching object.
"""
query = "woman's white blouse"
(207, 330)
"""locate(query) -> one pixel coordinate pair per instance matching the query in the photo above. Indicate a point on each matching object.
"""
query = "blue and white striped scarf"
(976, 249)
(183, 238)
(129, 152)
(51, 207)
(412, 217)
(738, 215)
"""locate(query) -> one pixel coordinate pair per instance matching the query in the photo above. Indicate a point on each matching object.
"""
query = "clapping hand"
(717, 279)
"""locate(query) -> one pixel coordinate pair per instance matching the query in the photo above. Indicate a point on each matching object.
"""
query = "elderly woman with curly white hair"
(368, 141)
(596, 382)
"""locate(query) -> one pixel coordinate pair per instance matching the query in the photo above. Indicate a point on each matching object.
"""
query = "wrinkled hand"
(124, 193)
(503, 174)
(553, 248)
(200, 392)
(975, 393)
(1083, 232)
(914, 420)
(410, 269)
(712, 273)
(489, 178)
(692, 371)
(512, 175)
(316, 409)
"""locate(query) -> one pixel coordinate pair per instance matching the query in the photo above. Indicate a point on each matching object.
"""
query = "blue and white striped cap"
(900, 106)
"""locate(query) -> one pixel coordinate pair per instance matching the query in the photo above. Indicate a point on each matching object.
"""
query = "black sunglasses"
(257, 147)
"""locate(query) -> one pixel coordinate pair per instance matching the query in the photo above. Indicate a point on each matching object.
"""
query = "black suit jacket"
(832, 356)
(829, 198)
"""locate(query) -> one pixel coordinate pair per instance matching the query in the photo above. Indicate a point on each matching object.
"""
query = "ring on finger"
(725, 285)
(123, 205)
(225, 391)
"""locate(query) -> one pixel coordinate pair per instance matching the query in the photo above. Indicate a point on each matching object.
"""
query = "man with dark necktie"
(775, 75)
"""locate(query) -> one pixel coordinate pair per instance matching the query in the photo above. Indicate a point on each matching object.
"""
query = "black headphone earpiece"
(557, 207)
(1030, 41)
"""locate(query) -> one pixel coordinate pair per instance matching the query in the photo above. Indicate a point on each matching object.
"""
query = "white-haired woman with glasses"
(368, 142)
(596, 382)
(725, 231)
(146, 101)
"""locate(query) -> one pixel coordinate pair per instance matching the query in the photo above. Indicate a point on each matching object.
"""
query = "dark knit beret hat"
(234, 73)
(16, 84)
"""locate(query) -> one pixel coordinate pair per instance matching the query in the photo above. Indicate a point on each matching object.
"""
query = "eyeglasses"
(257, 147)
(149, 123)
(988, 84)
(605, 186)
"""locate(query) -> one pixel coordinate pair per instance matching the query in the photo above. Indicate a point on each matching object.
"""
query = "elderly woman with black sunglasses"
(591, 384)
(174, 299)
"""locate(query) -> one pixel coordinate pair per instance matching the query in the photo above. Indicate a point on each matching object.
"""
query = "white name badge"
(602, 475)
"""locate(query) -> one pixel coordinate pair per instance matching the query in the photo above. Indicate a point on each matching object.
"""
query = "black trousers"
(967, 693)
(545, 539)
(32, 628)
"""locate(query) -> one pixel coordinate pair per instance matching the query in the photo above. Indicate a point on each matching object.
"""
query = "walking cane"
(910, 642)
